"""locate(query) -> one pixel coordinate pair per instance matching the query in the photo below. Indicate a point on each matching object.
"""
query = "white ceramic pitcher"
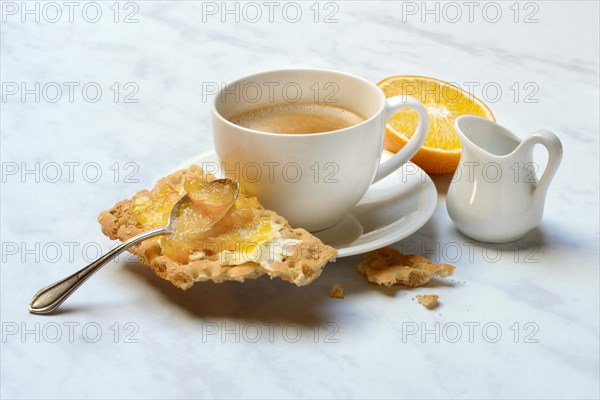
(494, 195)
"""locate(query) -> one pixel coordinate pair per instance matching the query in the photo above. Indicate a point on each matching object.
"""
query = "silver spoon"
(49, 298)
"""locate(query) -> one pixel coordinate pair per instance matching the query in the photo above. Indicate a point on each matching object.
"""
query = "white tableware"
(495, 195)
(311, 179)
(393, 208)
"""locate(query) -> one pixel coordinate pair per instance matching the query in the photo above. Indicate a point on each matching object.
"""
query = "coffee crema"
(297, 118)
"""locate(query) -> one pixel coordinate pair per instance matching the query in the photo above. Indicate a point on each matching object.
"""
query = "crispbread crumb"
(430, 301)
(336, 291)
(388, 266)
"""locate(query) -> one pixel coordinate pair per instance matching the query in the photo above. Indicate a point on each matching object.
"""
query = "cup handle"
(555, 153)
(393, 105)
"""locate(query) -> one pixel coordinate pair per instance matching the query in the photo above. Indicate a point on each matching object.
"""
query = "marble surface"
(517, 321)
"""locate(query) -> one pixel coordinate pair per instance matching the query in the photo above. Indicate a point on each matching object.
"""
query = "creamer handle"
(555, 153)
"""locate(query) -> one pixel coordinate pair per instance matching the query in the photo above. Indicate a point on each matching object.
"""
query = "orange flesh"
(444, 103)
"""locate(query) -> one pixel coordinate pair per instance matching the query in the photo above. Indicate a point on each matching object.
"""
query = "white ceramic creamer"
(495, 195)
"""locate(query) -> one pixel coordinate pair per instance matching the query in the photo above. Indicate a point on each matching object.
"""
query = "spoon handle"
(49, 298)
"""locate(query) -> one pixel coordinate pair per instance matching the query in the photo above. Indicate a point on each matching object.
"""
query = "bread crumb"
(336, 291)
(388, 266)
(430, 301)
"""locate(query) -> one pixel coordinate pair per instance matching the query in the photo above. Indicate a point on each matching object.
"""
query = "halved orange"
(444, 102)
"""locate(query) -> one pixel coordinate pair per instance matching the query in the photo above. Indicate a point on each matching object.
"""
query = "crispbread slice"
(301, 268)
(388, 266)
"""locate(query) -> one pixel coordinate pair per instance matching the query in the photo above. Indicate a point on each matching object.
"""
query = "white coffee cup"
(310, 179)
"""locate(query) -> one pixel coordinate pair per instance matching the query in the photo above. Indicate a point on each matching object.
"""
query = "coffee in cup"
(297, 118)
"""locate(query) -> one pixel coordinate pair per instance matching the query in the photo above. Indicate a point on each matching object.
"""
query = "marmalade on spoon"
(208, 223)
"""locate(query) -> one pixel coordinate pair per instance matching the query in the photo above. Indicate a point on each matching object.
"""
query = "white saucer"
(410, 200)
